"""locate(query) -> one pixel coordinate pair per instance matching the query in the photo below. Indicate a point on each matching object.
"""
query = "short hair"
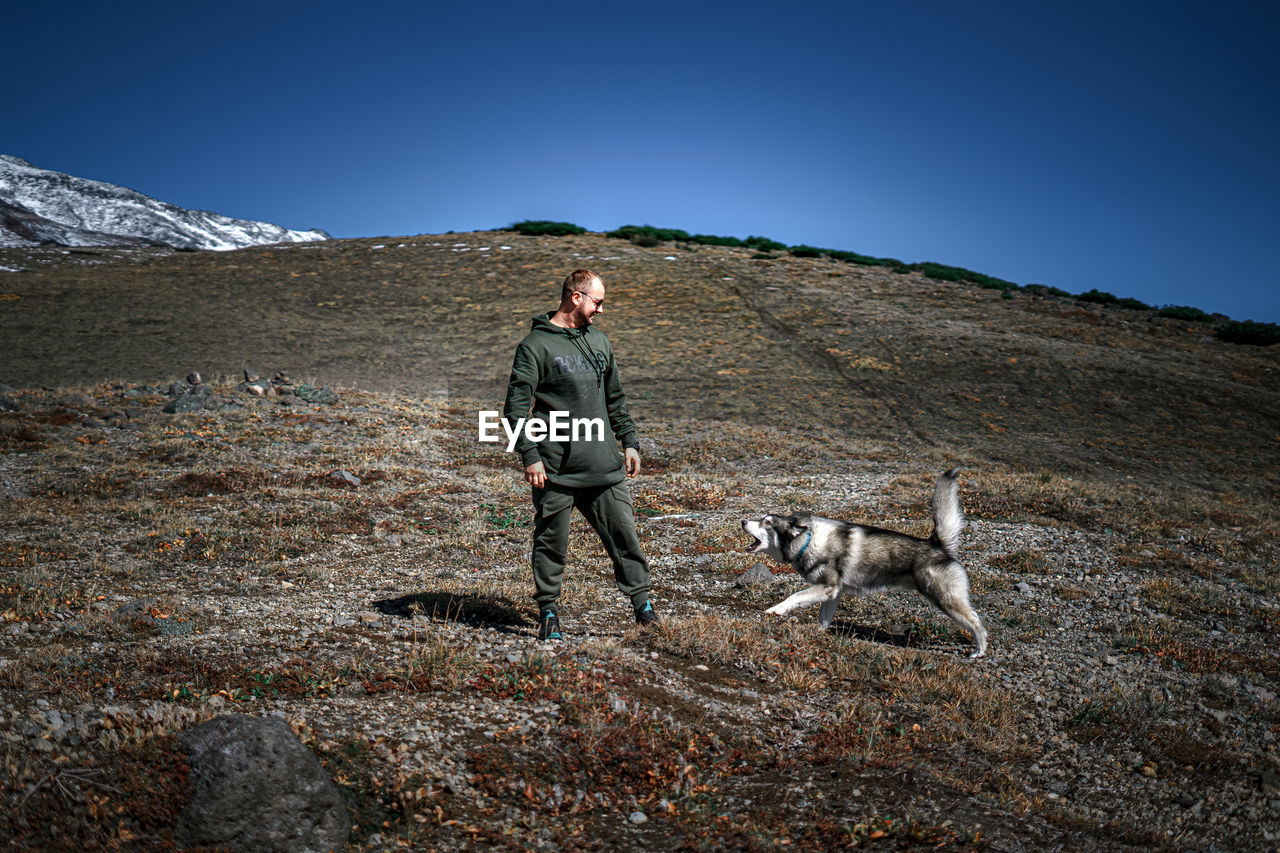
(577, 281)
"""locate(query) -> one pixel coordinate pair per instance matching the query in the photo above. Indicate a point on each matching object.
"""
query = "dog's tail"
(948, 520)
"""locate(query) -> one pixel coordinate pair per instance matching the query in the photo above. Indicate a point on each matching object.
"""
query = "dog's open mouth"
(756, 542)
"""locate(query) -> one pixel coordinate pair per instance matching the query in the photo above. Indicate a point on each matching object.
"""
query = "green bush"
(545, 228)
(1046, 290)
(1135, 304)
(764, 244)
(853, 258)
(647, 235)
(713, 240)
(1249, 332)
(647, 239)
(943, 272)
(1184, 312)
(806, 251)
(1100, 297)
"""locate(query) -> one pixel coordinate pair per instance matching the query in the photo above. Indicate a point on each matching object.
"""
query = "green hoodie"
(570, 370)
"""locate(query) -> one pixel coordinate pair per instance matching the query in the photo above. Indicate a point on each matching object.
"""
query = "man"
(564, 365)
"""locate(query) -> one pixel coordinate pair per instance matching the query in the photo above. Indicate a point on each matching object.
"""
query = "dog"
(836, 556)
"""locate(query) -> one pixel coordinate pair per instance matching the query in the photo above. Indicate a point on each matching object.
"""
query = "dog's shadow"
(902, 636)
(481, 611)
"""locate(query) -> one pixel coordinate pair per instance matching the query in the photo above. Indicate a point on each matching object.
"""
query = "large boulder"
(255, 786)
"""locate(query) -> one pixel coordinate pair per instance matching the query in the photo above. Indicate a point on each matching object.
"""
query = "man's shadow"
(482, 611)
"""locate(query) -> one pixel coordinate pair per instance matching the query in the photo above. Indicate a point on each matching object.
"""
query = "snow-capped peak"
(39, 207)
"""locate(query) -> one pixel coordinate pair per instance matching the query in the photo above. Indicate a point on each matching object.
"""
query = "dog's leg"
(951, 596)
(815, 594)
(965, 616)
(828, 612)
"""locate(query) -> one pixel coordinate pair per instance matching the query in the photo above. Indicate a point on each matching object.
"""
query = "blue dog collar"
(807, 539)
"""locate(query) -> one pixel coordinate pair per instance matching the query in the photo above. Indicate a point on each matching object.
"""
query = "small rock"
(137, 610)
(320, 396)
(368, 617)
(257, 389)
(1186, 799)
(192, 401)
(195, 378)
(251, 375)
(8, 404)
(759, 574)
(1023, 587)
(638, 818)
(1269, 782)
(343, 478)
(76, 401)
(255, 786)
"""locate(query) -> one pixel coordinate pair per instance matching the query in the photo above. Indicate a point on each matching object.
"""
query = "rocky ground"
(356, 562)
(1128, 698)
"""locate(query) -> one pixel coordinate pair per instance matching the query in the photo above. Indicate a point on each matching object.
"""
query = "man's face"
(590, 302)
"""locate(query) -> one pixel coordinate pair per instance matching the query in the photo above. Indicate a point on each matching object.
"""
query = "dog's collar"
(808, 537)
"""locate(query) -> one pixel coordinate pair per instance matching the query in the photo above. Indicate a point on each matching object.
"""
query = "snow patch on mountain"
(39, 207)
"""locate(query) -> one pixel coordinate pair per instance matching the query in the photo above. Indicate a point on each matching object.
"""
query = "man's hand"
(536, 474)
(632, 457)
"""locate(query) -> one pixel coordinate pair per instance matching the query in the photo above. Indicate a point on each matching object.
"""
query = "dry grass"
(236, 507)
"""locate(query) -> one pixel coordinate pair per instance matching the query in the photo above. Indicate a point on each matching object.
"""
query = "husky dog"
(835, 556)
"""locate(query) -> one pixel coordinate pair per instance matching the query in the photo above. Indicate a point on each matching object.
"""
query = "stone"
(638, 818)
(343, 478)
(76, 401)
(186, 398)
(8, 404)
(134, 611)
(195, 378)
(1023, 587)
(251, 375)
(255, 786)
(757, 575)
(312, 394)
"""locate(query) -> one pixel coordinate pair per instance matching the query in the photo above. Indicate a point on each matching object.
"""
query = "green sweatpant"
(609, 511)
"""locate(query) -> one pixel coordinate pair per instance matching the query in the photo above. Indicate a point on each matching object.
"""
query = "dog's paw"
(976, 655)
(776, 610)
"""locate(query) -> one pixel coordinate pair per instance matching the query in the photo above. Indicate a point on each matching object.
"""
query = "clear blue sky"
(1132, 147)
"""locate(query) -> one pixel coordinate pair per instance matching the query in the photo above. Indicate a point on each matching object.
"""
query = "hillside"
(158, 569)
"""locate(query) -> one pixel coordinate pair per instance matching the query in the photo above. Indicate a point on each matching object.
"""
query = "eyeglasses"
(599, 302)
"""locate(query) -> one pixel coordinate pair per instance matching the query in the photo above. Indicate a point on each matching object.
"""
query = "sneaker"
(646, 615)
(549, 629)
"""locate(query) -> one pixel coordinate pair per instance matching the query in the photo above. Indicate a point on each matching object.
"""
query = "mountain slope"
(39, 207)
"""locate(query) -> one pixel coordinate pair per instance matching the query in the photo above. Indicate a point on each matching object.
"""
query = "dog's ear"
(800, 522)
